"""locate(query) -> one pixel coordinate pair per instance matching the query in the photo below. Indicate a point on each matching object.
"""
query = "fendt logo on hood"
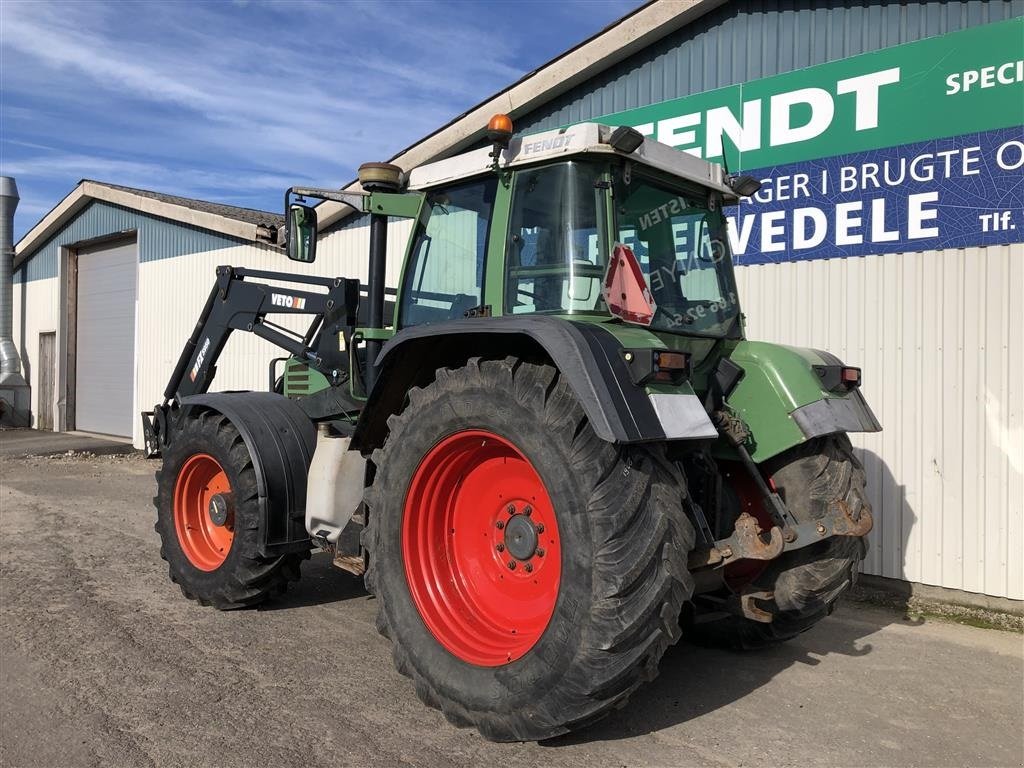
(284, 300)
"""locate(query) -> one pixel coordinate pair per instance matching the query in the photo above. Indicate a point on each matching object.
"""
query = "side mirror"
(301, 232)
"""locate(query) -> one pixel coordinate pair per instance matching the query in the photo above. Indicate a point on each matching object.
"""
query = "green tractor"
(551, 450)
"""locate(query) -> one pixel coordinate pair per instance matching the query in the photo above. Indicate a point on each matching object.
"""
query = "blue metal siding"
(743, 41)
(158, 238)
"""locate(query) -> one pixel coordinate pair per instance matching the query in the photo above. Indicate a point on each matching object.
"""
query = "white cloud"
(194, 99)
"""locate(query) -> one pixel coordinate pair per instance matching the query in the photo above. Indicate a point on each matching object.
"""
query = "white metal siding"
(173, 291)
(940, 337)
(346, 251)
(105, 340)
(36, 305)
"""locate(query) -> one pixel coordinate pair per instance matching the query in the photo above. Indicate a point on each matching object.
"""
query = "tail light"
(837, 378)
(661, 365)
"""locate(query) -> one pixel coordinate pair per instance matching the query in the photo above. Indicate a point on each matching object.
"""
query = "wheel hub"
(220, 509)
(520, 537)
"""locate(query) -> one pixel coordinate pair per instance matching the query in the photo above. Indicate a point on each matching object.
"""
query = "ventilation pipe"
(14, 394)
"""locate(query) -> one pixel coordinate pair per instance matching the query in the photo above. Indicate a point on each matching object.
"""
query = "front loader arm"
(236, 303)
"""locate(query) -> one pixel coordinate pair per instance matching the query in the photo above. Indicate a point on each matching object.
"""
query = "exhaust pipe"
(14, 393)
(10, 362)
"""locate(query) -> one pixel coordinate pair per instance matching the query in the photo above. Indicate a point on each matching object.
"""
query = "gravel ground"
(104, 663)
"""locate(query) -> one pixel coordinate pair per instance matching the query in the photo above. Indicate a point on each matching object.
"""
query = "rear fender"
(586, 355)
(281, 440)
(784, 402)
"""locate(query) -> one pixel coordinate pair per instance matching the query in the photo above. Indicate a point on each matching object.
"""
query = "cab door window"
(444, 277)
(557, 252)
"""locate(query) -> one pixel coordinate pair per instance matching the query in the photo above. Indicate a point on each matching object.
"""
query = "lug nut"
(540, 528)
(527, 510)
(511, 509)
(500, 547)
(500, 524)
(528, 568)
(540, 552)
(511, 565)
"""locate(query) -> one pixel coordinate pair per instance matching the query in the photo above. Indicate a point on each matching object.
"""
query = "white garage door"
(105, 353)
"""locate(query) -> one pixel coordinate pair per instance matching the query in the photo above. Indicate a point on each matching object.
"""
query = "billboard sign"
(915, 147)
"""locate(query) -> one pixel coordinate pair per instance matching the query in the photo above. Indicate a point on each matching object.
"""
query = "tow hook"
(749, 608)
(749, 542)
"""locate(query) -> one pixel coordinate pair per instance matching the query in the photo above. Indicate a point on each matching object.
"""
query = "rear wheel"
(529, 574)
(208, 518)
(807, 582)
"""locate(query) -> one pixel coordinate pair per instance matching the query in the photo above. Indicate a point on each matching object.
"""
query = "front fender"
(783, 401)
(280, 439)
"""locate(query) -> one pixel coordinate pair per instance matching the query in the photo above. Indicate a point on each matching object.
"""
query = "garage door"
(105, 351)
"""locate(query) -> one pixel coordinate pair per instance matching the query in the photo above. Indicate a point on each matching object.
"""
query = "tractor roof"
(564, 143)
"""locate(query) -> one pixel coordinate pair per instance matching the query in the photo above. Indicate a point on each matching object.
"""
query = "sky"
(236, 101)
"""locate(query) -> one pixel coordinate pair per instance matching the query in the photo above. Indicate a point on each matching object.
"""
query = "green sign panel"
(964, 82)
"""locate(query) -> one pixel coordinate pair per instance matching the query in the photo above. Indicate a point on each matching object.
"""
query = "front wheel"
(529, 575)
(208, 518)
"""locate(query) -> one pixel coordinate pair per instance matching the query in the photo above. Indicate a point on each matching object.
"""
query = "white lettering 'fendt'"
(545, 145)
(284, 300)
(748, 132)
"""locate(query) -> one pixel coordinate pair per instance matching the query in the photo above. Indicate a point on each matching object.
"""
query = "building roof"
(243, 223)
(634, 31)
(250, 215)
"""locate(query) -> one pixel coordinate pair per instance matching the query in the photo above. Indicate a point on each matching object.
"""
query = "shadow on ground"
(723, 677)
(321, 583)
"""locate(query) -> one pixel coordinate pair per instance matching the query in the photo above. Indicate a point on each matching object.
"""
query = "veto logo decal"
(284, 300)
(199, 359)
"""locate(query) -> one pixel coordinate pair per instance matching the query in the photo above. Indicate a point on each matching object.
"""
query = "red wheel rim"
(205, 544)
(475, 505)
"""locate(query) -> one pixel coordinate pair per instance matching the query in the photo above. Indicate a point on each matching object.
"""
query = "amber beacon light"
(499, 130)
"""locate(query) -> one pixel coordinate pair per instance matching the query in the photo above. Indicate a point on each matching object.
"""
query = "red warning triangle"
(625, 290)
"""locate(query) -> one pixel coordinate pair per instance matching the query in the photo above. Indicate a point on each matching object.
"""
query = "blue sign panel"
(946, 193)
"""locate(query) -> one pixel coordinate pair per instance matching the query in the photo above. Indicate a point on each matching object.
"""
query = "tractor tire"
(529, 575)
(806, 582)
(215, 564)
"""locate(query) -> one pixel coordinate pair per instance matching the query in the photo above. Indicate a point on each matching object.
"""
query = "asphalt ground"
(104, 663)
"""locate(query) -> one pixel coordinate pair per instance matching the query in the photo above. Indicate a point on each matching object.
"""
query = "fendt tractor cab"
(550, 448)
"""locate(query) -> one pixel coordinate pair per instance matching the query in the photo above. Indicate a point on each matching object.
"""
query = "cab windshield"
(683, 250)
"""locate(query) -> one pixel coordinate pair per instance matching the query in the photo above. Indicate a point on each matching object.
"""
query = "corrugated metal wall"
(36, 311)
(940, 338)
(743, 41)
